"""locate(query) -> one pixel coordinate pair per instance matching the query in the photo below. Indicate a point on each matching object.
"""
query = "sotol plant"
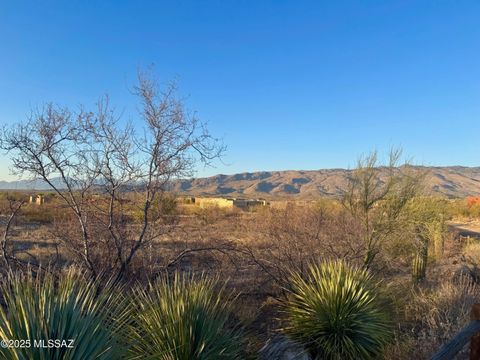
(43, 308)
(336, 312)
(183, 319)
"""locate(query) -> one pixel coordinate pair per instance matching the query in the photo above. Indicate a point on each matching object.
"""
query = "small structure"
(249, 203)
(214, 202)
(37, 199)
(229, 203)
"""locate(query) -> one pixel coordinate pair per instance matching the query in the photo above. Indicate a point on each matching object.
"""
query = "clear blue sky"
(287, 84)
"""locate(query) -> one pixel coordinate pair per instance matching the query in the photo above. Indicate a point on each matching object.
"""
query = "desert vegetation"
(336, 312)
(114, 260)
(247, 276)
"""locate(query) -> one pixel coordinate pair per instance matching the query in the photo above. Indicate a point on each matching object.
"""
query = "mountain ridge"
(449, 181)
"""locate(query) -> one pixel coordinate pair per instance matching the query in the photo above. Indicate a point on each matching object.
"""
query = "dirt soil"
(466, 227)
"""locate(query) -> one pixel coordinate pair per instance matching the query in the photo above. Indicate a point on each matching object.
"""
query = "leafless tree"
(51, 146)
(14, 205)
(292, 238)
(87, 156)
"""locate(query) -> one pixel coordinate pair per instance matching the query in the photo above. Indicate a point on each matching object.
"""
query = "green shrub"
(42, 308)
(183, 319)
(337, 312)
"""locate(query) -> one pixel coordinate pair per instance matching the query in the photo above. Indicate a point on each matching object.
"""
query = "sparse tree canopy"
(80, 153)
(377, 196)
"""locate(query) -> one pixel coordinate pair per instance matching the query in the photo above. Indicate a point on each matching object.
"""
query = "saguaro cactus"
(420, 258)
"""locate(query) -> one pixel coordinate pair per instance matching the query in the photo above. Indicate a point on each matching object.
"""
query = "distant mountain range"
(29, 185)
(450, 181)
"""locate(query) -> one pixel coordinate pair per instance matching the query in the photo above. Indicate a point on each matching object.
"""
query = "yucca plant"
(70, 307)
(337, 313)
(183, 318)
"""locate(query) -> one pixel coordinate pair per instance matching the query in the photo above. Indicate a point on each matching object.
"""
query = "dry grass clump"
(432, 317)
(472, 251)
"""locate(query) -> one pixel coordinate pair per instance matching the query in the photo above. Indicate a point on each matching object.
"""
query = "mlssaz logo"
(54, 343)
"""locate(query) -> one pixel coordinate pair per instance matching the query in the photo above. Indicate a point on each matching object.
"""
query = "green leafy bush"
(43, 308)
(183, 319)
(337, 313)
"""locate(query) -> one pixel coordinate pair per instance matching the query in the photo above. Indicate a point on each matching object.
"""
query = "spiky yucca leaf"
(71, 307)
(336, 312)
(183, 319)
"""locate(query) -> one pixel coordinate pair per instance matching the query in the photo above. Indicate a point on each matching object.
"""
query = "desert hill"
(450, 181)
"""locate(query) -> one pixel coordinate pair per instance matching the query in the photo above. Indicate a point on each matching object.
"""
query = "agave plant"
(337, 313)
(45, 318)
(183, 319)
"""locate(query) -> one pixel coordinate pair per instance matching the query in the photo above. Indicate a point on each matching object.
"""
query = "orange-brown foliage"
(473, 200)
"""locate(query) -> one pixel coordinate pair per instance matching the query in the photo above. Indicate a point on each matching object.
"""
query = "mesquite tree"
(95, 161)
(377, 196)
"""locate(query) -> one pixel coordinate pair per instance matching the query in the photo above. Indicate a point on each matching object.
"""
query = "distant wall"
(214, 202)
(245, 204)
(229, 203)
(37, 199)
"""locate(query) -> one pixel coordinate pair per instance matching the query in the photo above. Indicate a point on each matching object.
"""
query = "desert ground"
(255, 250)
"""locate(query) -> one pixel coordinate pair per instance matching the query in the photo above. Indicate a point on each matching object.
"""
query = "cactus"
(419, 267)
(420, 259)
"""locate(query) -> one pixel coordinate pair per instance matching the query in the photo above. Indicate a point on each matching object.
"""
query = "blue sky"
(287, 84)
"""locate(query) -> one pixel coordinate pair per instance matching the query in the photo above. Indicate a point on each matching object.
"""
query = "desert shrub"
(39, 214)
(168, 204)
(183, 319)
(7, 197)
(328, 205)
(377, 196)
(442, 311)
(473, 206)
(431, 317)
(164, 206)
(212, 214)
(474, 211)
(291, 238)
(465, 208)
(72, 307)
(419, 236)
(336, 311)
(426, 221)
(471, 251)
